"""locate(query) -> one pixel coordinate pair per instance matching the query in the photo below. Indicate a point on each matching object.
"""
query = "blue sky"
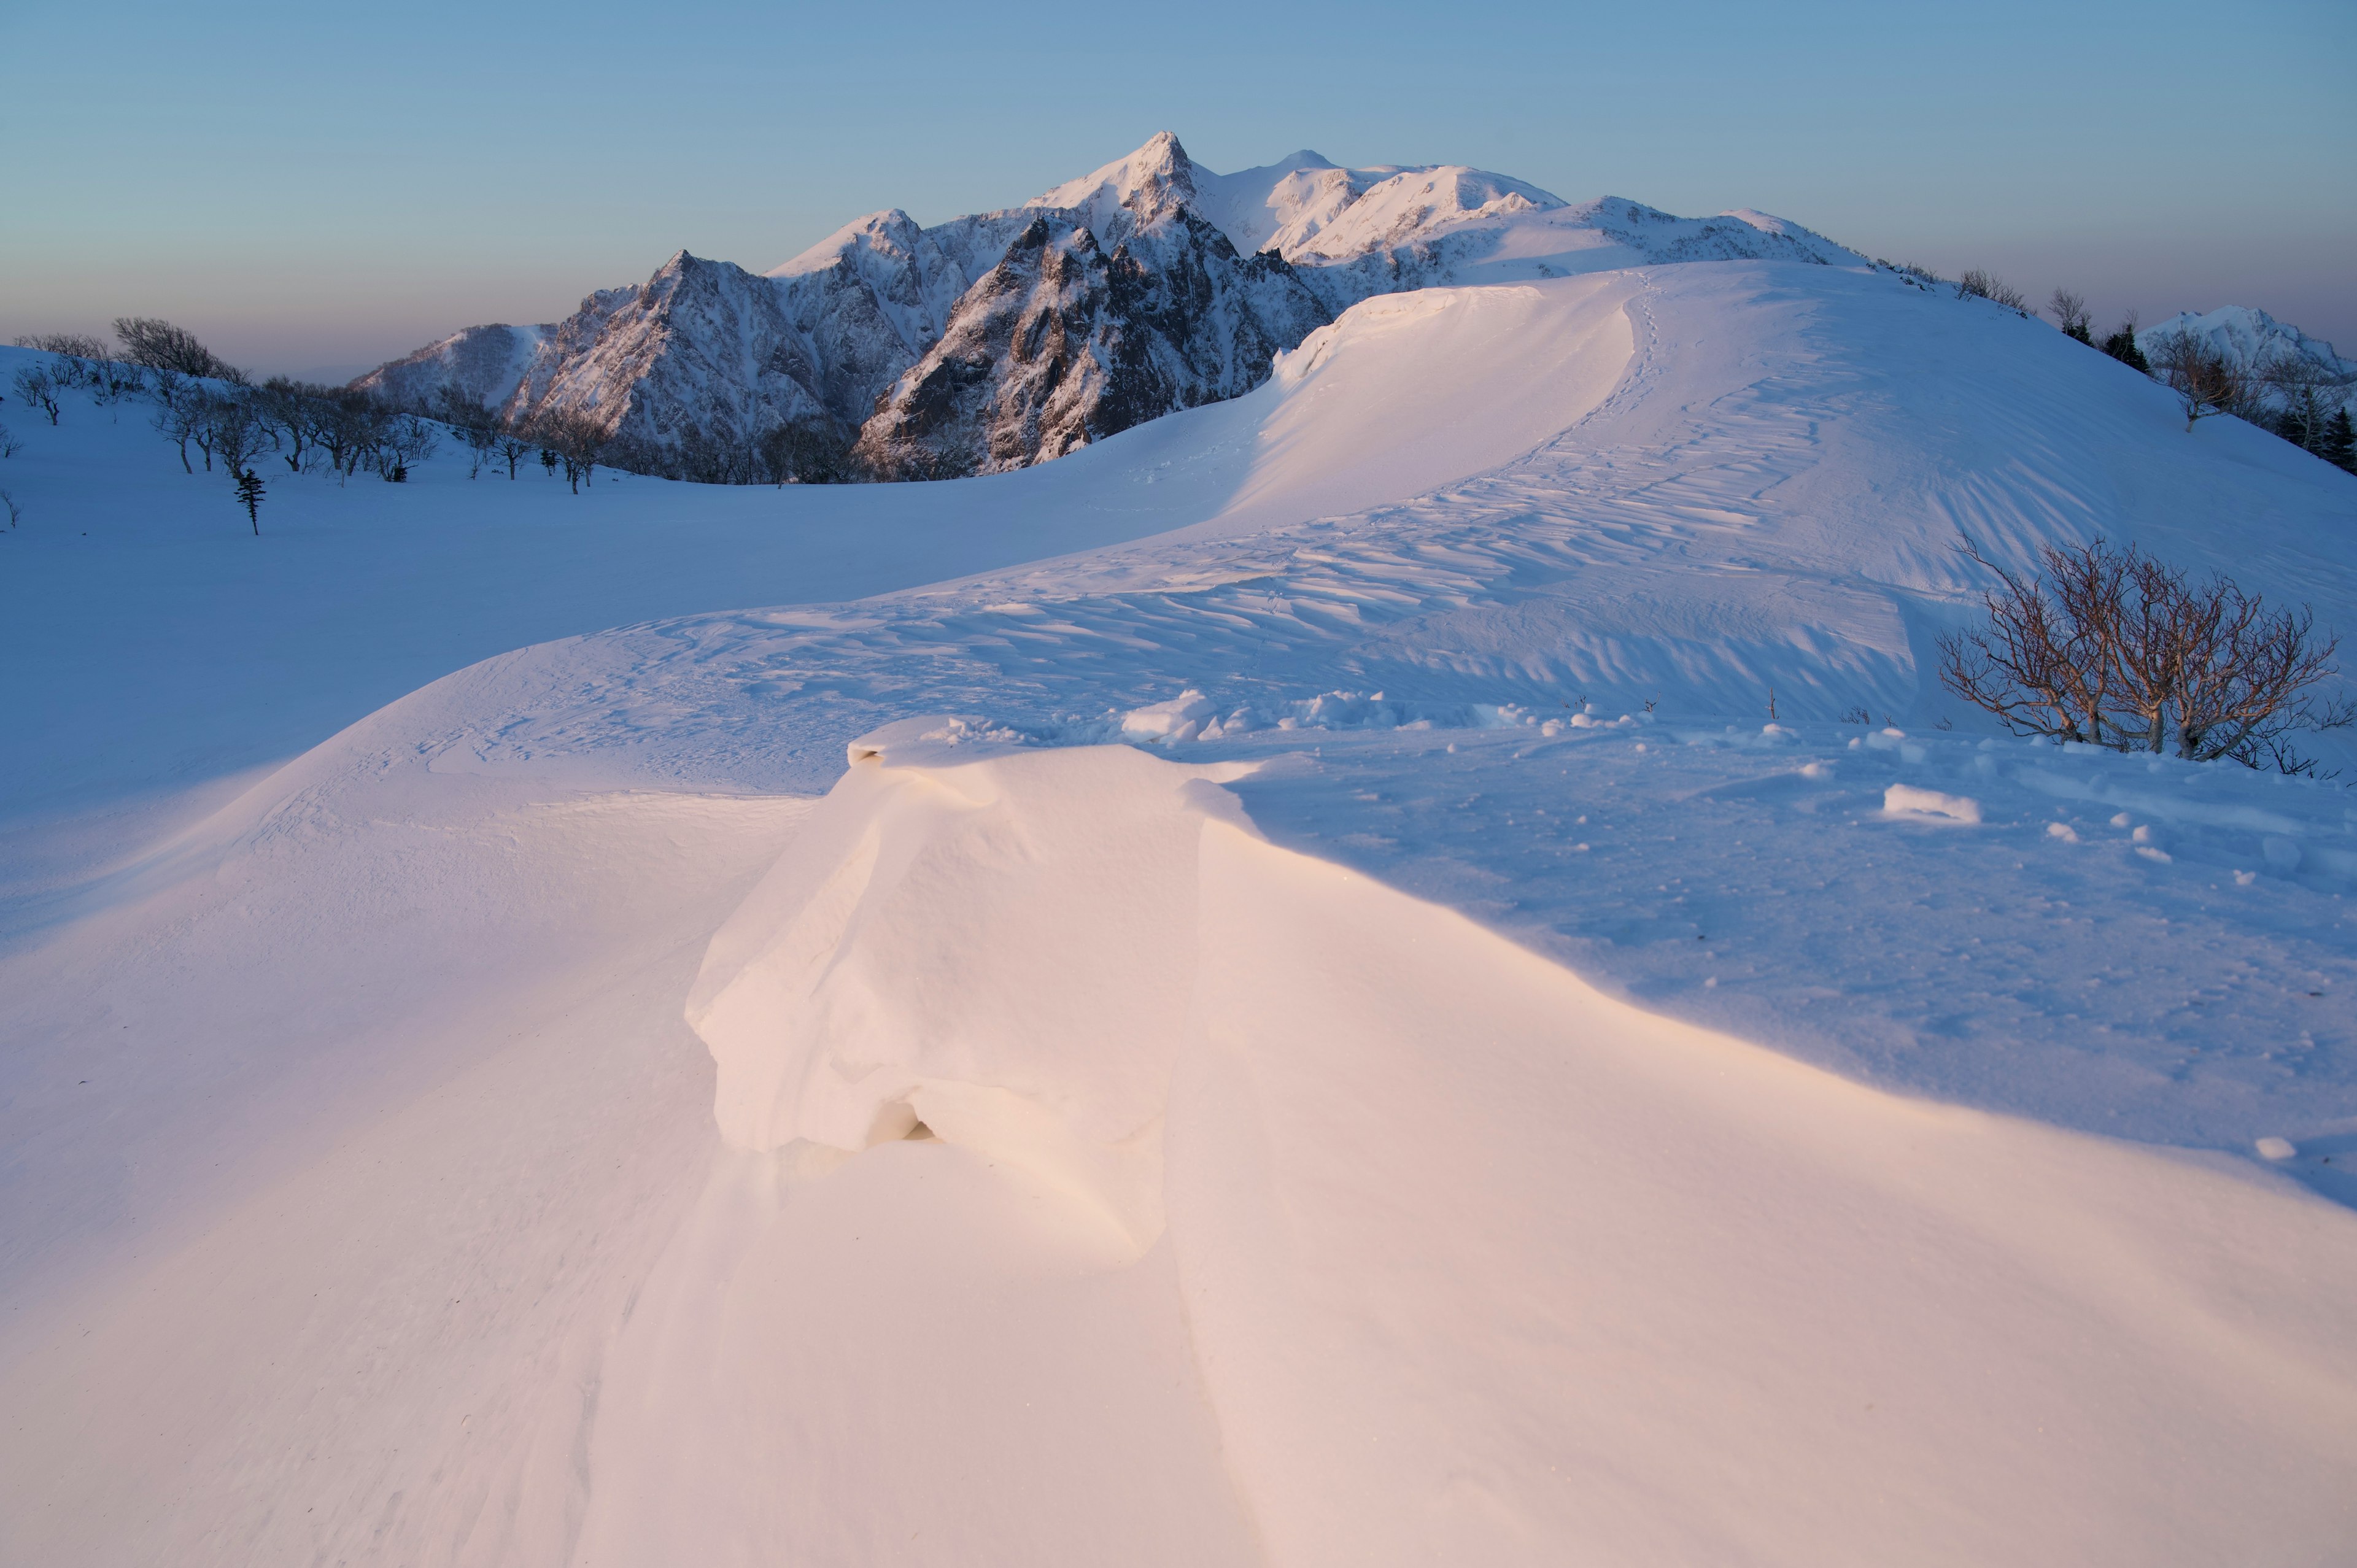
(313, 187)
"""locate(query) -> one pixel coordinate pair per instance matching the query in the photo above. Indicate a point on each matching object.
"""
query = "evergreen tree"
(249, 491)
(2338, 447)
(2122, 345)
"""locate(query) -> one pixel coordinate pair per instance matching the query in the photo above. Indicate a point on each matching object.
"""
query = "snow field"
(1380, 1113)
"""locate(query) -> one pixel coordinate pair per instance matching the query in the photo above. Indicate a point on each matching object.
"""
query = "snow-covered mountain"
(2253, 338)
(1000, 339)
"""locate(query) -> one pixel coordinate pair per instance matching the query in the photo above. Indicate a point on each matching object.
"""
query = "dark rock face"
(1061, 345)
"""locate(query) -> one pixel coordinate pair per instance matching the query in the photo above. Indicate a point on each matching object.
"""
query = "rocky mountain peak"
(1146, 188)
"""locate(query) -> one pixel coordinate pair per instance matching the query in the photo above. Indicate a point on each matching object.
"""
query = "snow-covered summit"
(2250, 337)
(2249, 333)
(1128, 194)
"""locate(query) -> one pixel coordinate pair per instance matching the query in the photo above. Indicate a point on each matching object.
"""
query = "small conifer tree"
(2122, 345)
(249, 492)
(2340, 444)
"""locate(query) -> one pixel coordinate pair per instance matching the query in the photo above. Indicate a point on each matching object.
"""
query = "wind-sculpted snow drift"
(1476, 1263)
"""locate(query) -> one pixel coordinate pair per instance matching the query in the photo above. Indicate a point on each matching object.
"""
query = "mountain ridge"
(926, 350)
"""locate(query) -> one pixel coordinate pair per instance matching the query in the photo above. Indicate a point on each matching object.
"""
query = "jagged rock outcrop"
(1062, 344)
(1004, 338)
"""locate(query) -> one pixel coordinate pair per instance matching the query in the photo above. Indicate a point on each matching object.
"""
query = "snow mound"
(1478, 1262)
(1908, 800)
(839, 1015)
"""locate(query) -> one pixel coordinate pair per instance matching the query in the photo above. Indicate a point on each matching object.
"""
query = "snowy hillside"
(1410, 966)
(933, 344)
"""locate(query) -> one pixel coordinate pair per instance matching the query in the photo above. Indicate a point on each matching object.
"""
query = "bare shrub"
(14, 510)
(38, 387)
(2205, 378)
(1977, 283)
(69, 344)
(9, 444)
(2116, 647)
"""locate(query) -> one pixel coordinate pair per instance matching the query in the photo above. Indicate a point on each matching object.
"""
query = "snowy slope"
(1457, 1082)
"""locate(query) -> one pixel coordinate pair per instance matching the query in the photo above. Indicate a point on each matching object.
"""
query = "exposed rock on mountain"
(993, 341)
(1061, 344)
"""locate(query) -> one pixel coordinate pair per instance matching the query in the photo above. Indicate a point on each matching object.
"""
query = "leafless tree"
(9, 444)
(575, 439)
(158, 344)
(400, 440)
(179, 409)
(9, 502)
(2205, 378)
(2119, 648)
(346, 425)
(473, 420)
(804, 453)
(287, 407)
(512, 447)
(2070, 312)
(238, 431)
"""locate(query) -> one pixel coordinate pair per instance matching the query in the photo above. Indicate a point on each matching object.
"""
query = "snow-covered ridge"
(1186, 283)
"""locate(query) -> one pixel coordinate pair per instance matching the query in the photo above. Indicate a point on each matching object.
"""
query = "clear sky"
(316, 186)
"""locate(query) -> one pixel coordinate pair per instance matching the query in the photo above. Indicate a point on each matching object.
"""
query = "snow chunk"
(1181, 718)
(2275, 1149)
(1907, 801)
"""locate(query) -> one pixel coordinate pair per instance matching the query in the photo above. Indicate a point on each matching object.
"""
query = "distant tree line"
(2284, 390)
(220, 420)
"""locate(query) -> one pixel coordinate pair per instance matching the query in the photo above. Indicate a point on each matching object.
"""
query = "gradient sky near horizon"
(315, 189)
